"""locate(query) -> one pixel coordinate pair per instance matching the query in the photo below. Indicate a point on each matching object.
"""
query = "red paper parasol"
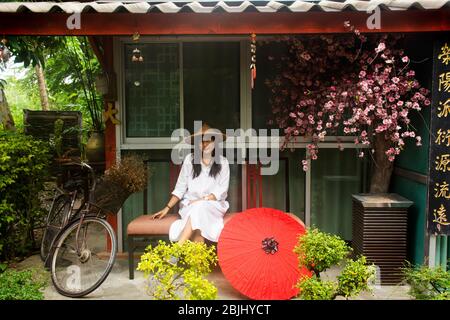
(255, 251)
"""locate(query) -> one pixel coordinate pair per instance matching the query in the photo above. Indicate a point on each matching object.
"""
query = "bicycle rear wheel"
(56, 219)
(76, 274)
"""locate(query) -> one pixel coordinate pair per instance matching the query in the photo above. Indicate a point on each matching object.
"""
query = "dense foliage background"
(65, 80)
(23, 169)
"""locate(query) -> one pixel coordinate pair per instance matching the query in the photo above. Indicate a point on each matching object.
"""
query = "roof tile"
(222, 6)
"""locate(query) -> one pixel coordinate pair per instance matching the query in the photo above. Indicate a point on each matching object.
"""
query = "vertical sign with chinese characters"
(438, 188)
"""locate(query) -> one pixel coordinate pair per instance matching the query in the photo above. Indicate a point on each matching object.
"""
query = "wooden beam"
(98, 50)
(103, 49)
(411, 175)
(221, 23)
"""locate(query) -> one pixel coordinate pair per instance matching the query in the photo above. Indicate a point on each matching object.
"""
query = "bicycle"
(79, 245)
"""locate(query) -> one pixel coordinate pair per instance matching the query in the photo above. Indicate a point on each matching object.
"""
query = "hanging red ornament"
(253, 59)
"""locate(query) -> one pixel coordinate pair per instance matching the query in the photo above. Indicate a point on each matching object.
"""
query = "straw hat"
(208, 133)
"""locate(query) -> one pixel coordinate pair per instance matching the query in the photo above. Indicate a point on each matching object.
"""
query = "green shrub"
(427, 283)
(177, 271)
(314, 288)
(318, 251)
(21, 285)
(23, 168)
(355, 277)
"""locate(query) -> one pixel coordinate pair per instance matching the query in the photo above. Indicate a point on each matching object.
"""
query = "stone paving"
(118, 287)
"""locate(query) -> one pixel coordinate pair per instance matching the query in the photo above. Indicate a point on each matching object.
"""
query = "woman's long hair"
(215, 167)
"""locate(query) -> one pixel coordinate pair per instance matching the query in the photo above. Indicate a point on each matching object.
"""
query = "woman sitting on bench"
(202, 188)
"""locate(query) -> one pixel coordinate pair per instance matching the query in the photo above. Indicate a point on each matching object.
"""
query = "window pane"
(296, 182)
(269, 66)
(152, 90)
(336, 175)
(211, 85)
(266, 68)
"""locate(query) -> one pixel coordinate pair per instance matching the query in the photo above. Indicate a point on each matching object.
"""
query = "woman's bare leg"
(186, 233)
(197, 237)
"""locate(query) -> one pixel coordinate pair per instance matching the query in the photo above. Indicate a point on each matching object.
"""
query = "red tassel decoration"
(253, 59)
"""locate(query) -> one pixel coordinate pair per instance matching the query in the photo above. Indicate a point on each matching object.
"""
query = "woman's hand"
(160, 214)
(207, 198)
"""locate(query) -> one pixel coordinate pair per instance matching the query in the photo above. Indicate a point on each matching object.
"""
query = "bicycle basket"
(109, 196)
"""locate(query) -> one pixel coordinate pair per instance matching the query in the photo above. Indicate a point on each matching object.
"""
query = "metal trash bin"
(379, 228)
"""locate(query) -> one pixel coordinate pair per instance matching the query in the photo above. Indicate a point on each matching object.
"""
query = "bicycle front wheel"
(82, 260)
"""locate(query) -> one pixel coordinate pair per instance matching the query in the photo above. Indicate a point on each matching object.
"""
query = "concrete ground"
(118, 287)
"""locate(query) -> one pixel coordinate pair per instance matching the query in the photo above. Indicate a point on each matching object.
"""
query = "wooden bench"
(144, 227)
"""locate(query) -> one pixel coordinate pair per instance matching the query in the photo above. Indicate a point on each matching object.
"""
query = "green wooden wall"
(415, 158)
(417, 193)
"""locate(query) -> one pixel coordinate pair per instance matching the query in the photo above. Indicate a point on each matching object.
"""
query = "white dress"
(206, 215)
